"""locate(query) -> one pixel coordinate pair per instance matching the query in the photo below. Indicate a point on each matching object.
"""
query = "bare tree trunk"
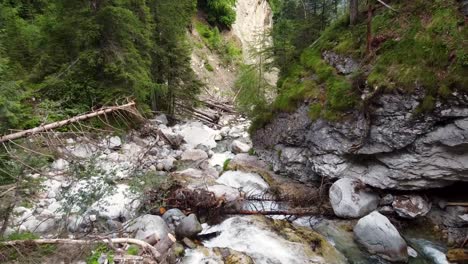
(370, 7)
(126, 107)
(353, 11)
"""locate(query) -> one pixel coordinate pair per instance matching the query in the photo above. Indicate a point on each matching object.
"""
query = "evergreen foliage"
(220, 12)
(420, 46)
(73, 55)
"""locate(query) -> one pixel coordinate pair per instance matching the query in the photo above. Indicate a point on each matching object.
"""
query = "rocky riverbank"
(110, 187)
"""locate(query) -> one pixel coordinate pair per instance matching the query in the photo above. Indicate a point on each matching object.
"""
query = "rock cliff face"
(391, 147)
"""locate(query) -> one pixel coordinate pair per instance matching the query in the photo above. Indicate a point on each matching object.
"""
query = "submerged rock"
(379, 236)
(349, 199)
(411, 206)
(268, 241)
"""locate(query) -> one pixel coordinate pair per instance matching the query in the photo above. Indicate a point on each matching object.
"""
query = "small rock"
(60, 165)
(114, 142)
(188, 227)
(152, 168)
(178, 249)
(379, 236)
(349, 199)
(114, 156)
(160, 167)
(160, 119)
(189, 243)
(70, 141)
(218, 137)
(92, 218)
(239, 147)
(194, 155)
(224, 132)
(387, 199)
(168, 163)
(411, 206)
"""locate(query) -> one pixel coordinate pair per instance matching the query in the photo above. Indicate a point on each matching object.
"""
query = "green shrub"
(221, 12)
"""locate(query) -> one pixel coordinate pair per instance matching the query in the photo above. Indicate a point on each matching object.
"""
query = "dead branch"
(129, 107)
(387, 6)
(296, 212)
(145, 246)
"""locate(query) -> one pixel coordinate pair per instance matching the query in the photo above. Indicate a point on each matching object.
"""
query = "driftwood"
(222, 107)
(129, 107)
(145, 246)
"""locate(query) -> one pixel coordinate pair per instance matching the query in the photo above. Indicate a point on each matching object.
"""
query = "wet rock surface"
(379, 236)
(399, 150)
(349, 198)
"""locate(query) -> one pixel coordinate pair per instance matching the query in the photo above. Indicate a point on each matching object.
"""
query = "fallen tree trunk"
(126, 107)
(145, 246)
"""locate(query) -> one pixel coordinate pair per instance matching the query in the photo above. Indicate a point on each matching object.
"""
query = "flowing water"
(255, 237)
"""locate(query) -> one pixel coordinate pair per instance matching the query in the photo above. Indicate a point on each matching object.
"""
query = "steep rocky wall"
(399, 149)
(253, 18)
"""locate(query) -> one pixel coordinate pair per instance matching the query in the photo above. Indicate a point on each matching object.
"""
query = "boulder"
(119, 204)
(349, 198)
(148, 225)
(195, 133)
(239, 147)
(188, 227)
(411, 206)
(194, 155)
(379, 236)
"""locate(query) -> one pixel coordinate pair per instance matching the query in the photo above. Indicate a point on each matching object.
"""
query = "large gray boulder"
(379, 236)
(411, 206)
(349, 198)
(148, 225)
(188, 227)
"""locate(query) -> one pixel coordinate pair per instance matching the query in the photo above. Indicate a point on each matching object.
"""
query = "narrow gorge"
(234, 131)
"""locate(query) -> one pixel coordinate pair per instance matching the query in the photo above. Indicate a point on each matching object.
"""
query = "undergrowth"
(422, 46)
(228, 50)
